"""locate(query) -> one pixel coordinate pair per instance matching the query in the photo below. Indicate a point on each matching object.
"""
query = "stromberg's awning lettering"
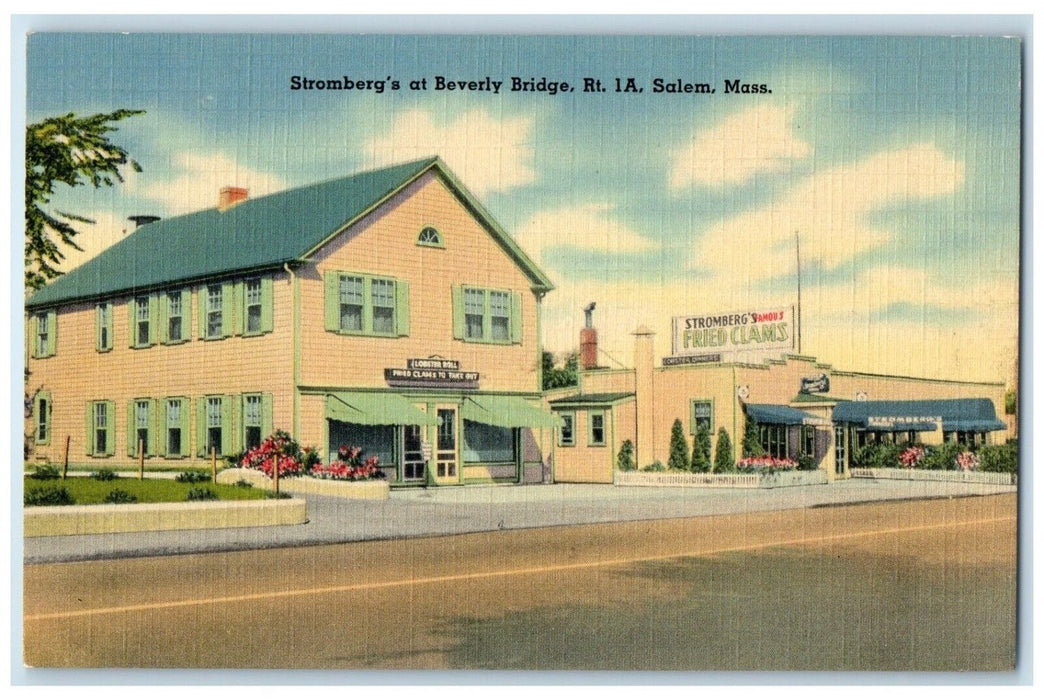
(977, 415)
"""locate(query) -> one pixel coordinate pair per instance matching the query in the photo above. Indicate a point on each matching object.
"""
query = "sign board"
(819, 384)
(691, 359)
(758, 329)
(431, 374)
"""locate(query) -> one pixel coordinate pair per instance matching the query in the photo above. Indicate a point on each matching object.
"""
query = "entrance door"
(446, 446)
(840, 450)
(412, 453)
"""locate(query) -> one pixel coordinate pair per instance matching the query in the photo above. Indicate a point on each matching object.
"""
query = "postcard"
(521, 352)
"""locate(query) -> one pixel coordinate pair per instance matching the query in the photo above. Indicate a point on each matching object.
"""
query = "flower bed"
(754, 465)
(364, 489)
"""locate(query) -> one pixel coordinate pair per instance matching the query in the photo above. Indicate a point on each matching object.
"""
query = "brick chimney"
(588, 340)
(231, 196)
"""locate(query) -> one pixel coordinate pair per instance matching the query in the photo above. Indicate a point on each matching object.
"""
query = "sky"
(895, 161)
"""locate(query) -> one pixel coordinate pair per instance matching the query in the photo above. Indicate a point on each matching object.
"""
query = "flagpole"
(797, 245)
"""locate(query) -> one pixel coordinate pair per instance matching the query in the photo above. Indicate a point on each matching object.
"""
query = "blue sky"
(895, 159)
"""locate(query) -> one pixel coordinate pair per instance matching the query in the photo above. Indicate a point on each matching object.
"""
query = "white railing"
(960, 476)
(731, 481)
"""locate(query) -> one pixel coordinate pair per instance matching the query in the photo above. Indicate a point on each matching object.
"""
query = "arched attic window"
(430, 237)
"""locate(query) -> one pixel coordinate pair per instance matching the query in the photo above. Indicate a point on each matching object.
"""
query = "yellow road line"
(345, 588)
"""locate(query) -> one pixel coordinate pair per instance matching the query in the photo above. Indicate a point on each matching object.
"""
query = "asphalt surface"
(922, 585)
(451, 511)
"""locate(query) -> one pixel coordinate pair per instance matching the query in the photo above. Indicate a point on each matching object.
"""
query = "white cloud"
(106, 230)
(488, 154)
(198, 179)
(589, 226)
(756, 140)
(830, 210)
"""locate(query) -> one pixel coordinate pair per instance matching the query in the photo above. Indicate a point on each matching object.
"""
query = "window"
(44, 332)
(701, 415)
(808, 441)
(487, 444)
(566, 434)
(365, 305)
(103, 326)
(215, 428)
(487, 315)
(215, 311)
(42, 414)
(175, 317)
(774, 440)
(596, 428)
(373, 440)
(430, 237)
(141, 321)
(214, 425)
(175, 428)
(138, 428)
(253, 306)
(251, 421)
(99, 428)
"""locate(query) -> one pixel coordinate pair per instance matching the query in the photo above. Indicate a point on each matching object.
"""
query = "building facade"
(804, 409)
(387, 310)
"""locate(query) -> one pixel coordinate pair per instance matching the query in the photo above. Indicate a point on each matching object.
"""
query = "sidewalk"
(450, 511)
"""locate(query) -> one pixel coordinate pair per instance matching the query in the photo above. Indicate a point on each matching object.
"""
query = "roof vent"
(231, 196)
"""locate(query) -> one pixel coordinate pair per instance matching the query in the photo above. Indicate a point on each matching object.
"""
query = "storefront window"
(484, 444)
(372, 439)
(774, 440)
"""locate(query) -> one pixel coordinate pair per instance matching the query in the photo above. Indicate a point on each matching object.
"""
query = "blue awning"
(976, 415)
(775, 414)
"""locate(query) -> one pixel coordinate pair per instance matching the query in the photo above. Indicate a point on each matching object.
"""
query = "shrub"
(277, 494)
(701, 450)
(289, 455)
(752, 439)
(724, 461)
(625, 460)
(48, 496)
(349, 466)
(192, 477)
(120, 496)
(877, 454)
(1000, 458)
(942, 456)
(807, 464)
(912, 456)
(200, 493)
(104, 475)
(45, 472)
(244, 484)
(678, 452)
(656, 466)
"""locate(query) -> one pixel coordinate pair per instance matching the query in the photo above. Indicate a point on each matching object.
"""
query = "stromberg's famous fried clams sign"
(756, 329)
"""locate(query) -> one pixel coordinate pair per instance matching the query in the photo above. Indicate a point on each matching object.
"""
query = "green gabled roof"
(257, 234)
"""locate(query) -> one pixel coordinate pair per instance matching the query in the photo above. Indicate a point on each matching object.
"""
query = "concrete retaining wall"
(374, 489)
(45, 521)
(936, 475)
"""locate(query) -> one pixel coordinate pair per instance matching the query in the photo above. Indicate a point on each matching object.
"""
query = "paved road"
(910, 585)
(448, 511)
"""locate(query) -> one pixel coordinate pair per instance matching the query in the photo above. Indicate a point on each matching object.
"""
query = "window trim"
(101, 309)
(185, 300)
(264, 416)
(571, 415)
(400, 290)
(92, 426)
(184, 427)
(48, 410)
(207, 311)
(49, 321)
(692, 414)
(591, 442)
(514, 307)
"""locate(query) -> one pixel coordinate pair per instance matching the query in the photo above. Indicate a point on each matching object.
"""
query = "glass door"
(840, 450)
(446, 453)
(412, 453)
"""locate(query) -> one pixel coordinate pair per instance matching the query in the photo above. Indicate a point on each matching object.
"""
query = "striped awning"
(375, 408)
(507, 412)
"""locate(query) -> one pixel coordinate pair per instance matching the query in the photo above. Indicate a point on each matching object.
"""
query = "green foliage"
(48, 496)
(942, 456)
(87, 491)
(701, 450)
(656, 466)
(45, 472)
(200, 493)
(104, 475)
(556, 377)
(806, 463)
(1011, 402)
(277, 494)
(884, 455)
(625, 460)
(73, 151)
(724, 459)
(244, 484)
(678, 456)
(1000, 458)
(192, 477)
(120, 496)
(752, 439)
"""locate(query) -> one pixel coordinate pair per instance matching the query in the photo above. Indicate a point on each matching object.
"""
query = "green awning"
(507, 412)
(375, 408)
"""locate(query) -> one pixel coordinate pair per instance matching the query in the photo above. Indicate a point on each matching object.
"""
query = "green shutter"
(367, 310)
(458, 312)
(186, 411)
(97, 327)
(266, 305)
(402, 307)
(52, 333)
(161, 434)
(266, 415)
(30, 336)
(154, 315)
(46, 396)
(332, 296)
(229, 432)
(89, 442)
(130, 323)
(132, 443)
(186, 318)
(201, 310)
(230, 320)
(162, 332)
(201, 426)
(110, 414)
(516, 317)
(155, 446)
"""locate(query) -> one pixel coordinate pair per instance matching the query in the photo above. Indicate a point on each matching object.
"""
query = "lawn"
(88, 491)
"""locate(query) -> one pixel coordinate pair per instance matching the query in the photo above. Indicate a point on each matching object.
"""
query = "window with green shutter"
(175, 316)
(143, 427)
(100, 430)
(42, 417)
(256, 296)
(215, 422)
(359, 304)
(257, 419)
(487, 315)
(176, 427)
(44, 330)
(143, 312)
(103, 326)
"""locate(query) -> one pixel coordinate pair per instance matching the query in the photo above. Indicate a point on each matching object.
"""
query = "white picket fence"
(936, 475)
(729, 481)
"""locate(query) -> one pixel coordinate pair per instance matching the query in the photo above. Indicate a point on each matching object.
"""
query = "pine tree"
(723, 459)
(701, 449)
(625, 460)
(678, 457)
(752, 440)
